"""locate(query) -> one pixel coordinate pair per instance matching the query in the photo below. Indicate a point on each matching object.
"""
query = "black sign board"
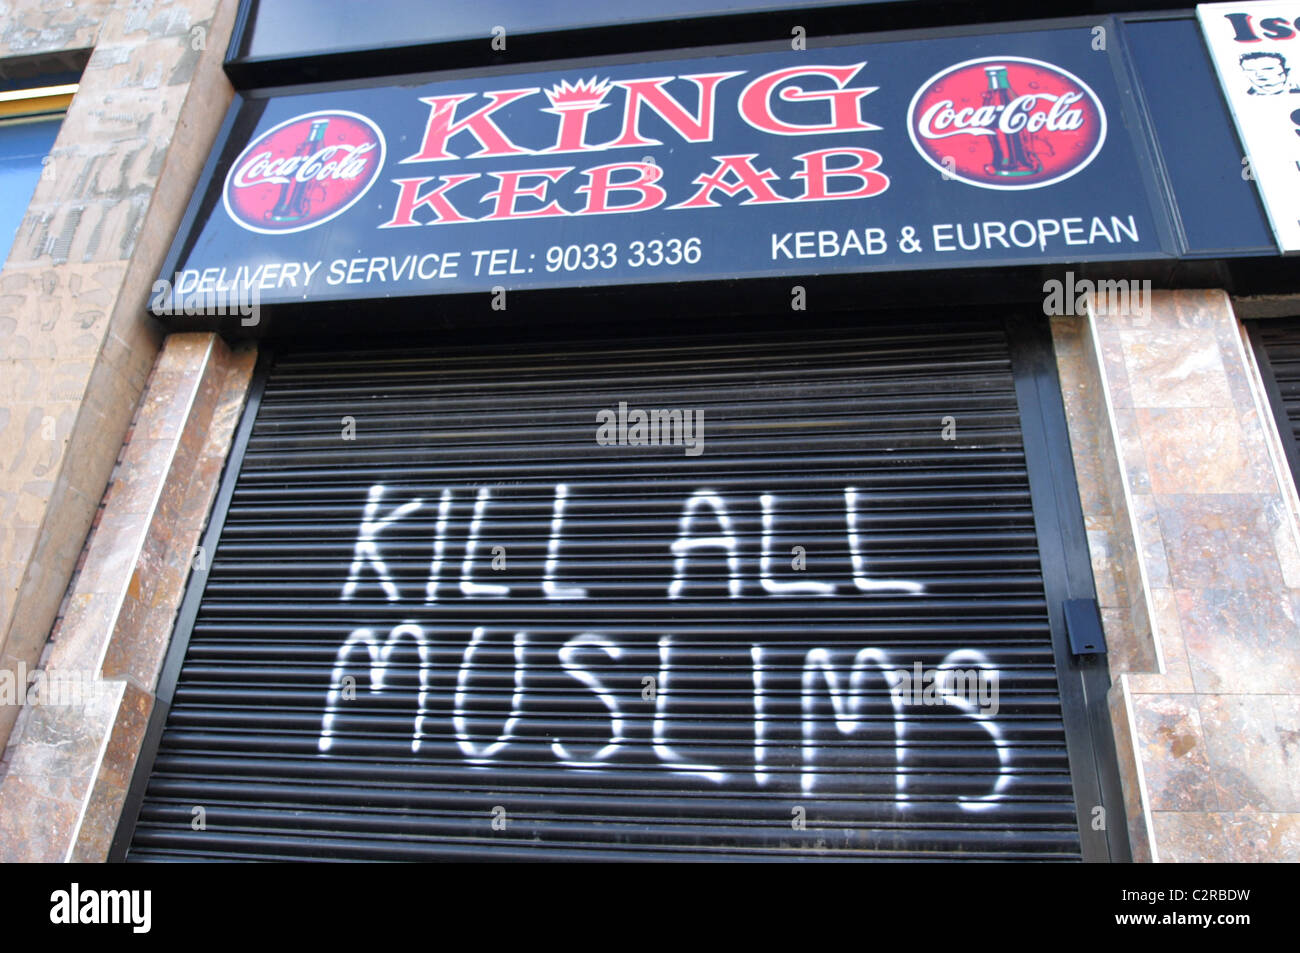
(937, 153)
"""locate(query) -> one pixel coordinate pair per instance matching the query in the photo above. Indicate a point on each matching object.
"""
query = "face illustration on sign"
(1267, 72)
(1006, 123)
(303, 172)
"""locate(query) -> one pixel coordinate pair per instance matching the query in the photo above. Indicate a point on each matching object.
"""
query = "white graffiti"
(367, 552)
(860, 578)
(846, 689)
(468, 586)
(701, 507)
(568, 659)
(549, 587)
(798, 694)
(845, 700)
(380, 659)
(685, 543)
(667, 755)
(765, 562)
(439, 547)
(473, 753)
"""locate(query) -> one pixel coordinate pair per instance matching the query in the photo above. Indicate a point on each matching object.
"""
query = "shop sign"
(1256, 52)
(938, 153)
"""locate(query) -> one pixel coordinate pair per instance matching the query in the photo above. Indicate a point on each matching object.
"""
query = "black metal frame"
(1067, 574)
(1063, 551)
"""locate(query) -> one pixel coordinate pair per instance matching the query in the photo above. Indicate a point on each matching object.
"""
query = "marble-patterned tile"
(1189, 837)
(1206, 308)
(1286, 715)
(39, 835)
(1177, 675)
(65, 740)
(1145, 656)
(1286, 542)
(1200, 450)
(1175, 369)
(1220, 541)
(99, 822)
(1103, 569)
(1239, 641)
(1122, 653)
(1112, 363)
(1174, 758)
(87, 624)
(1263, 837)
(1246, 756)
(1130, 774)
(126, 737)
(1146, 514)
(1133, 456)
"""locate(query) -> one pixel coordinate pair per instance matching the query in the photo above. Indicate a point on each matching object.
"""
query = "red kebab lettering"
(463, 120)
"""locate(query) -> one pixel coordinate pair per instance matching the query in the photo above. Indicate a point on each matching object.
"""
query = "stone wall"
(76, 343)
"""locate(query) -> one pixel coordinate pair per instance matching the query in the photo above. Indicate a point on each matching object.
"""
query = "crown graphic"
(582, 93)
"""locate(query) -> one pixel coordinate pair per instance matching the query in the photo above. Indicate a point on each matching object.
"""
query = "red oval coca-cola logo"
(303, 172)
(1006, 122)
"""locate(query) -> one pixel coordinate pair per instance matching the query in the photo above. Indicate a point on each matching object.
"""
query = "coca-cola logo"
(1006, 122)
(303, 172)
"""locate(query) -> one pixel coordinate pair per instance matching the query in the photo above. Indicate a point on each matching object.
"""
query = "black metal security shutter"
(648, 686)
(1277, 352)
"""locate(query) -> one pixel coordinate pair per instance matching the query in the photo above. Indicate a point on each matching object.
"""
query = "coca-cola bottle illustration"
(293, 203)
(1012, 154)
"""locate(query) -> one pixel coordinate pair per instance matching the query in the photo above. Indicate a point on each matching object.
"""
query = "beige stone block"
(83, 230)
(34, 438)
(132, 345)
(45, 580)
(98, 442)
(28, 29)
(58, 313)
(16, 545)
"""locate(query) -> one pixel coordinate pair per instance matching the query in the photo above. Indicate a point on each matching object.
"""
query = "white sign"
(1256, 51)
